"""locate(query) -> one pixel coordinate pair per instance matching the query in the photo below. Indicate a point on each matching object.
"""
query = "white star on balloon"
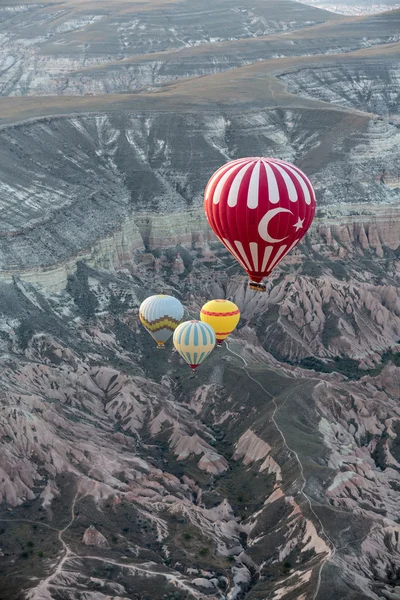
(299, 224)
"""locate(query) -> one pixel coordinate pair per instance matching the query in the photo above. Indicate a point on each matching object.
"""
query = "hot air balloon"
(259, 208)
(161, 315)
(194, 341)
(222, 315)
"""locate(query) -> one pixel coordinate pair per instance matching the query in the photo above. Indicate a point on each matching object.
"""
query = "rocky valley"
(274, 473)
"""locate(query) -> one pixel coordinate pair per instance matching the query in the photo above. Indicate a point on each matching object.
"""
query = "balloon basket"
(160, 347)
(193, 369)
(257, 287)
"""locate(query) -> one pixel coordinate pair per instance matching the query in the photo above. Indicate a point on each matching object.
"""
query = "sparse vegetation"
(347, 366)
(331, 329)
(246, 488)
(286, 567)
(79, 289)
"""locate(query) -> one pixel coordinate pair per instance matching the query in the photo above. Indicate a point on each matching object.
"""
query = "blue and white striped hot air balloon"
(160, 315)
(194, 341)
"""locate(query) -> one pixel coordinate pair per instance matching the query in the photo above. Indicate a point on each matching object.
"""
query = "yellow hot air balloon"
(194, 341)
(222, 315)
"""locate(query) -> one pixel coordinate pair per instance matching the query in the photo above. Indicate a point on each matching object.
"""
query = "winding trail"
(331, 545)
(139, 569)
(42, 591)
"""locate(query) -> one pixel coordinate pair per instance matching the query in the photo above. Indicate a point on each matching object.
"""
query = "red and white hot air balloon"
(259, 208)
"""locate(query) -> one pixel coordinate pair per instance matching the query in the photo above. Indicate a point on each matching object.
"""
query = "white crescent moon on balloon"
(263, 225)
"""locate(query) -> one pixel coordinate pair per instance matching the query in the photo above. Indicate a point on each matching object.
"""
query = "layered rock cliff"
(81, 186)
(370, 85)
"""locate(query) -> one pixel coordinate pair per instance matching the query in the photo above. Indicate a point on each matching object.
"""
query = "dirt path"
(332, 548)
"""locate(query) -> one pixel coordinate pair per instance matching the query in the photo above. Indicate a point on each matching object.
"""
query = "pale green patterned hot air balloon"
(160, 315)
(194, 341)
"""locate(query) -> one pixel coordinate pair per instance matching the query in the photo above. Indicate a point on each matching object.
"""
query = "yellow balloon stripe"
(165, 323)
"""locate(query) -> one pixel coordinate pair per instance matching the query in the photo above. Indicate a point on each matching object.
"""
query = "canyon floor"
(274, 473)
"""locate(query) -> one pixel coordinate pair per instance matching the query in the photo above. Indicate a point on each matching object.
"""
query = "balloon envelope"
(194, 341)
(259, 208)
(160, 315)
(222, 315)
